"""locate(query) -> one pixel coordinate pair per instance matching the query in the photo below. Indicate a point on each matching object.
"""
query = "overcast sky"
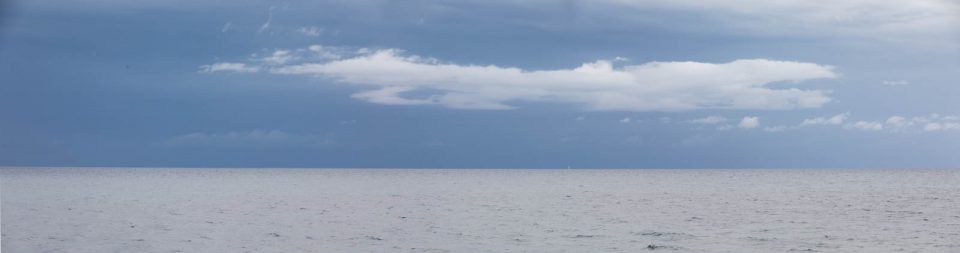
(507, 84)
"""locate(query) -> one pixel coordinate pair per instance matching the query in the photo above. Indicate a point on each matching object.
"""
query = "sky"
(481, 84)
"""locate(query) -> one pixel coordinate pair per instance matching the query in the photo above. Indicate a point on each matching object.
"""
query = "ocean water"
(511, 210)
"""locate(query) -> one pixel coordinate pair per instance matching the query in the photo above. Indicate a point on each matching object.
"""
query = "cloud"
(929, 123)
(311, 31)
(389, 96)
(709, 120)
(255, 138)
(655, 86)
(266, 25)
(932, 127)
(895, 83)
(229, 67)
(899, 121)
(835, 120)
(927, 22)
(775, 128)
(279, 57)
(940, 126)
(625, 120)
(865, 125)
(325, 53)
(749, 122)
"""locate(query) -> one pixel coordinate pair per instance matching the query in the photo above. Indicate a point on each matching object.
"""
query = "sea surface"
(508, 210)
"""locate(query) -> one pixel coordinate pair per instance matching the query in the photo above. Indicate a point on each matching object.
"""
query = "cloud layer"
(927, 24)
(709, 120)
(394, 78)
(229, 67)
(928, 123)
(835, 120)
(931, 23)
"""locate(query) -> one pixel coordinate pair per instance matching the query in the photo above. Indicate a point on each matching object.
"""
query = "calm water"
(327, 210)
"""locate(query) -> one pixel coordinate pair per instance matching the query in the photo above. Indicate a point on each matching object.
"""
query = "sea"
(479, 210)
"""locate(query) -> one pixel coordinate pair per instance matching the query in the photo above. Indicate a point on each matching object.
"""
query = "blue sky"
(506, 84)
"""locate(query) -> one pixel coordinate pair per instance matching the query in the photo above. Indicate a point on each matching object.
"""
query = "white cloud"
(749, 122)
(283, 57)
(266, 25)
(654, 86)
(229, 67)
(325, 53)
(895, 83)
(625, 120)
(835, 120)
(932, 127)
(279, 57)
(255, 138)
(939, 126)
(389, 96)
(937, 122)
(929, 123)
(865, 125)
(775, 128)
(311, 31)
(709, 120)
(899, 121)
